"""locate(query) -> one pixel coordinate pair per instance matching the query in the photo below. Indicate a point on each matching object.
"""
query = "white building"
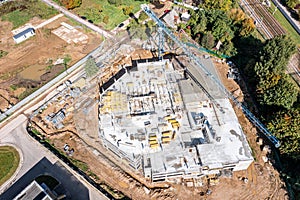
(24, 35)
(152, 117)
(185, 16)
(171, 18)
(35, 191)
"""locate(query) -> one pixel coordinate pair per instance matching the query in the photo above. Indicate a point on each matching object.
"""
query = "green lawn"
(17, 17)
(285, 24)
(90, 10)
(20, 12)
(9, 162)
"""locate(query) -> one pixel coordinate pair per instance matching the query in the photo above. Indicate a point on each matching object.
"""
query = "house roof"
(23, 33)
(185, 15)
(33, 191)
(169, 18)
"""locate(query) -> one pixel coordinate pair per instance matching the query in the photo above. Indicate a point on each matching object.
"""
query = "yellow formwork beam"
(151, 142)
(166, 139)
(172, 121)
(169, 134)
(154, 146)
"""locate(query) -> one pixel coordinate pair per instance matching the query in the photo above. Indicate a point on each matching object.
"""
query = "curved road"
(78, 19)
(32, 152)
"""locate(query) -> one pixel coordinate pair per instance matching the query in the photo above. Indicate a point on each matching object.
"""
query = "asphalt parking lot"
(69, 184)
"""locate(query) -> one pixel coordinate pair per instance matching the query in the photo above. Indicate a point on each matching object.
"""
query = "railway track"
(264, 19)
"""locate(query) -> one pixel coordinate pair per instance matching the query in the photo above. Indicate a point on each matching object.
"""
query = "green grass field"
(20, 12)
(17, 17)
(114, 13)
(286, 25)
(9, 162)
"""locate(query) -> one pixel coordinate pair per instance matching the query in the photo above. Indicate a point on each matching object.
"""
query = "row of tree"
(278, 97)
(276, 93)
(275, 87)
(208, 26)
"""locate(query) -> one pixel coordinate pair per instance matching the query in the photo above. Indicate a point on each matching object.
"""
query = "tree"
(236, 15)
(292, 3)
(105, 19)
(143, 16)
(139, 30)
(274, 56)
(200, 25)
(127, 10)
(90, 67)
(70, 4)
(208, 40)
(283, 93)
(67, 60)
(274, 87)
(228, 48)
(221, 30)
(285, 126)
(99, 8)
(198, 22)
(247, 28)
(218, 4)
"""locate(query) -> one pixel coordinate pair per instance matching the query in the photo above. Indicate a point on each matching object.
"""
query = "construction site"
(153, 125)
(41, 57)
(158, 120)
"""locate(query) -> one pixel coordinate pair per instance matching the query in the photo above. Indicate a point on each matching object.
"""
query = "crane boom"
(196, 60)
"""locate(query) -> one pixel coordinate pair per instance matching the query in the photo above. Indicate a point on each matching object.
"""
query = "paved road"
(78, 19)
(15, 134)
(70, 186)
(31, 152)
(287, 15)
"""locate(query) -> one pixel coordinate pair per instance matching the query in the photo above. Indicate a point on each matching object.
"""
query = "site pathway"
(78, 19)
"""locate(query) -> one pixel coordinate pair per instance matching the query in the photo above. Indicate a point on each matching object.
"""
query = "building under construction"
(161, 122)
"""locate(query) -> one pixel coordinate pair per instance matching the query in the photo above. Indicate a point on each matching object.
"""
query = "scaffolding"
(198, 63)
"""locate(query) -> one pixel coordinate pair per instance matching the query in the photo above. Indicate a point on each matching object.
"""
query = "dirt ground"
(30, 60)
(264, 181)
(81, 135)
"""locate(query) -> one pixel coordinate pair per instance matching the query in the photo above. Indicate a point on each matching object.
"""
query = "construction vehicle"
(162, 29)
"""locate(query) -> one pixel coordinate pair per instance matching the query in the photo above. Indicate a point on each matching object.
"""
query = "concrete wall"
(242, 165)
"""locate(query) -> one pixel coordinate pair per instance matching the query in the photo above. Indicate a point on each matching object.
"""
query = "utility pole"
(275, 10)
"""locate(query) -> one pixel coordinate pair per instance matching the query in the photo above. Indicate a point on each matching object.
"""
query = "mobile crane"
(164, 30)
